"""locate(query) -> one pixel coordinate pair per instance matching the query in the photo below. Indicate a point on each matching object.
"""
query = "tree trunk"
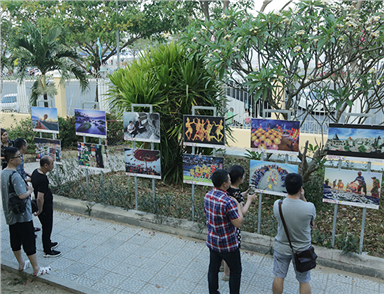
(225, 5)
(205, 8)
(265, 3)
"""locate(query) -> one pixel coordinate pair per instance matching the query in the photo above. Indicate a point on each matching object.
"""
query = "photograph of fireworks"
(268, 177)
(142, 163)
(93, 156)
(141, 126)
(350, 187)
(275, 136)
(357, 142)
(197, 169)
(45, 120)
(49, 147)
(203, 131)
(90, 123)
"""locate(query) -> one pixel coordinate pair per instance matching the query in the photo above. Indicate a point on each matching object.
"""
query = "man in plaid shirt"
(223, 217)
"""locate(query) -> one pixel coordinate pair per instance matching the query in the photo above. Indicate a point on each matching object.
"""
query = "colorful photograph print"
(350, 187)
(90, 123)
(141, 126)
(45, 120)
(360, 142)
(275, 136)
(93, 156)
(197, 169)
(204, 131)
(268, 177)
(142, 163)
(49, 147)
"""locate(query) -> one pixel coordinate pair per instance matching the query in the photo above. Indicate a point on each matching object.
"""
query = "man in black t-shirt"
(44, 197)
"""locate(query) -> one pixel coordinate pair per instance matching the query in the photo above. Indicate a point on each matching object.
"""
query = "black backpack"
(15, 204)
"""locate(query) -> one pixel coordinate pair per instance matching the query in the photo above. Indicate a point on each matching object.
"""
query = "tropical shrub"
(172, 82)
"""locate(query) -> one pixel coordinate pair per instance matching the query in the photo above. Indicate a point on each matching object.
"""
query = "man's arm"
(26, 194)
(238, 221)
(40, 203)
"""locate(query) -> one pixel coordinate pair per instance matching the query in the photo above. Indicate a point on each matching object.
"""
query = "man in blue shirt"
(361, 181)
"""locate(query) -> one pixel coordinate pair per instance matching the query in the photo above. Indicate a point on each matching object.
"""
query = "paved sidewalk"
(116, 258)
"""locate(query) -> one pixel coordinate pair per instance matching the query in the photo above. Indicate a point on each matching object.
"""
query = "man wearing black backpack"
(18, 213)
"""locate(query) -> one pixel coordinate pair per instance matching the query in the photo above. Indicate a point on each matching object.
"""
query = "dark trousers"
(46, 219)
(233, 261)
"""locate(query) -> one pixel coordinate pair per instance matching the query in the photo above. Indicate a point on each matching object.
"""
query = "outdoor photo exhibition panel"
(197, 169)
(51, 147)
(45, 120)
(90, 123)
(275, 136)
(141, 126)
(355, 142)
(92, 156)
(268, 177)
(203, 131)
(350, 187)
(142, 163)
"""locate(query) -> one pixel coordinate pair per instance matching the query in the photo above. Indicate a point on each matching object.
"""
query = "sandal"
(42, 271)
(27, 264)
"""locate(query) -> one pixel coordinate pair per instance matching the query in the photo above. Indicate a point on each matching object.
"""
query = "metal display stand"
(364, 208)
(49, 101)
(262, 158)
(152, 148)
(85, 141)
(194, 108)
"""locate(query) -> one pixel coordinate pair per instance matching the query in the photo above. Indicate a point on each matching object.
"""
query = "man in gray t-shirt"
(20, 225)
(299, 216)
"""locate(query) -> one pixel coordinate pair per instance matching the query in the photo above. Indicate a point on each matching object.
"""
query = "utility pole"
(118, 39)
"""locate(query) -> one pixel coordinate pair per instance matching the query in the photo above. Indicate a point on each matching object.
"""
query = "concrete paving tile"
(70, 243)
(146, 252)
(136, 261)
(334, 278)
(86, 281)
(155, 265)
(183, 286)
(77, 268)
(97, 239)
(153, 288)
(162, 256)
(113, 279)
(193, 275)
(104, 288)
(172, 270)
(163, 280)
(368, 285)
(69, 232)
(339, 288)
(83, 235)
(112, 244)
(138, 240)
(134, 286)
(144, 274)
(108, 264)
(60, 263)
(95, 273)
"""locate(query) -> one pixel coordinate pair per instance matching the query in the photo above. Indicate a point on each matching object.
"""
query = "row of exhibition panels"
(363, 143)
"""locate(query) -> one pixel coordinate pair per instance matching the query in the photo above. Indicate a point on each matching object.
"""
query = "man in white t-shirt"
(299, 216)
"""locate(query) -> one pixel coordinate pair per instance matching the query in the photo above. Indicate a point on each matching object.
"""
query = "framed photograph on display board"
(350, 187)
(275, 136)
(93, 156)
(51, 147)
(268, 177)
(203, 131)
(355, 142)
(90, 123)
(45, 120)
(197, 169)
(141, 126)
(142, 163)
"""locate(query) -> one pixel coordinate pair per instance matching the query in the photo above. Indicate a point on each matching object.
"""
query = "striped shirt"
(220, 209)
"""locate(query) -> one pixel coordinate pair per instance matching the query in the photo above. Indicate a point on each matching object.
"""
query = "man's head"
(21, 144)
(220, 179)
(12, 156)
(359, 173)
(231, 109)
(373, 178)
(293, 183)
(46, 163)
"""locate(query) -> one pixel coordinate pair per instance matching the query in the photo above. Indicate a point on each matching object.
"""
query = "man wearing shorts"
(299, 217)
(20, 225)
